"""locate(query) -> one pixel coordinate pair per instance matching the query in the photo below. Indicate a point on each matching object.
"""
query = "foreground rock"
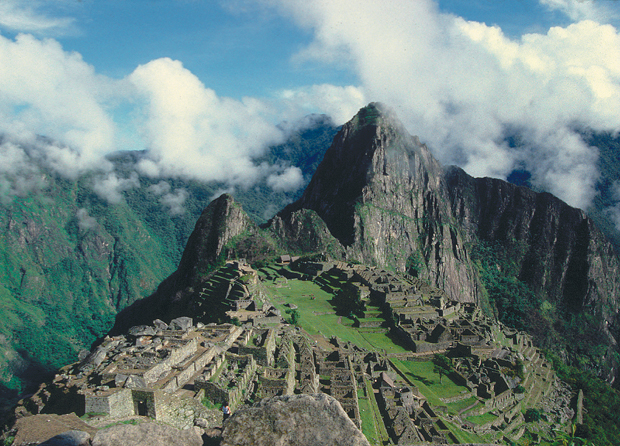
(300, 420)
(42, 428)
(146, 434)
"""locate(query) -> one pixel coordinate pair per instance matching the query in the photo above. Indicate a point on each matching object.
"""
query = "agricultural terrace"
(318, 316)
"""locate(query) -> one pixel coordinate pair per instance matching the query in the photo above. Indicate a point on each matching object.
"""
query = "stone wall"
(221, 391)
(183, 376)
(263, 354)
(177, 354)
(117, 404)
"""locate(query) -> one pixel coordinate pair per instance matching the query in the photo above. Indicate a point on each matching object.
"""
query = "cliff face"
(388, 202)
(380, 198)
(562, 257)
(382, 195)
(221, 221)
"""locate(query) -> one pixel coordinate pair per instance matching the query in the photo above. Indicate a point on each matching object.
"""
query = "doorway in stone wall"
(141, 409)
(144, 403)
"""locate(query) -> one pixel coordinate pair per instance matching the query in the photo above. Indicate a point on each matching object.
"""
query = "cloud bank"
(484, 101)
(464, 86)
(47, 91)
(193, 133)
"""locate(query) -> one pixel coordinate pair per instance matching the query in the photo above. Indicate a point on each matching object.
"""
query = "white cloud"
(85, 221)
(194, 133)
(289, 180)
(581, 9)
(47, 91)
(175, 201)
(25, 16)
(160, 188)
(463, 86)
(18, 175)
(340, 103)
(110, 187)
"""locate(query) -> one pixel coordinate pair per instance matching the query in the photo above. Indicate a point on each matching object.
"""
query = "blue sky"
(202, 84)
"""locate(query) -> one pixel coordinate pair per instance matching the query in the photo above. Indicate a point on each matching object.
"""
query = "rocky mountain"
(557, 249)
(380, 219)
(380, 198)
(383, 196)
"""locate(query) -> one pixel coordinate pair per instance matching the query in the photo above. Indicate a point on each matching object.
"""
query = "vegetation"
(511, 299)
(601, 403)
(554, 327)
(317, 315)
(442, 365)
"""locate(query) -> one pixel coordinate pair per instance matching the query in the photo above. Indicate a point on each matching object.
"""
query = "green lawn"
(369, 428)
(423, 376)
(482, 419)
(372, 414)
(461, 405)
(319, 316)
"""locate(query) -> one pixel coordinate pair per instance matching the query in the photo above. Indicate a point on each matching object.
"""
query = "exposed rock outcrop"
(221, 221)
(561, 254)
(300, 420)
(146, 434)
(379, 197)
(382, 195)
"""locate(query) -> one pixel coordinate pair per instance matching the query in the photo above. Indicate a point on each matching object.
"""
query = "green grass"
(374, 414)
(319, 316)
(464, 436)
(368, 421)
(461, 405)
(423, 376)
(482, 419)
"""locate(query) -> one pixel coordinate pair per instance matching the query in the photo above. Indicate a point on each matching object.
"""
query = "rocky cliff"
(383, 196)
(390, 203)
(558, 250)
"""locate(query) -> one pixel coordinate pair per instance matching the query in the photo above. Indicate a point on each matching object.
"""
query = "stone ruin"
(181, 372)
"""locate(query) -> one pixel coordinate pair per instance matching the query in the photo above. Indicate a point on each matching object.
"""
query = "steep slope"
(382, 195)
(223, 232)
(534, 261)
(62, 281)
(557, 249)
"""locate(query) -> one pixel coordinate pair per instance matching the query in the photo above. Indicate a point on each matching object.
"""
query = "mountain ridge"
(380, 198)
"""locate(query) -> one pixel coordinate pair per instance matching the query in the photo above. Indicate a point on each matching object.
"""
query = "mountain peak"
(377, 114)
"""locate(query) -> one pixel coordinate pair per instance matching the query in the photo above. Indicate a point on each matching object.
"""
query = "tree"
(442, 365)
(294, 319)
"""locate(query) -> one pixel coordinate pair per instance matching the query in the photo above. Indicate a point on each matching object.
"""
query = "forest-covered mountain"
(70, 259)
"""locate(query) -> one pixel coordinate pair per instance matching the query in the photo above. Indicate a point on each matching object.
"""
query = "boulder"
(300, 420)
(69, 438)
(135, 382)
(146, 434)
(181, 323)
(42, 428)
(142, 330)
(160, 325)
